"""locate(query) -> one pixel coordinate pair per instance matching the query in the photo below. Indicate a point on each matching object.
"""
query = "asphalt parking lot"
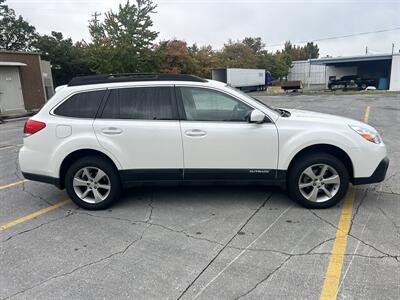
(205, 242)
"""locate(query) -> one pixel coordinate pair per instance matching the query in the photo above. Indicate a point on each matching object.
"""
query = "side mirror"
(257, 117)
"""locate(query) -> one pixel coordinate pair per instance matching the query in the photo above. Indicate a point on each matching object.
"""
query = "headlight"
(371, 136)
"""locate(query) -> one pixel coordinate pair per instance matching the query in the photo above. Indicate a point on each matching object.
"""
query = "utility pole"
(366, 50)
(309, 71)
(392, 48)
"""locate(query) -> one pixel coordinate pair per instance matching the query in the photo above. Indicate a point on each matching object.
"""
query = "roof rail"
(127, 77)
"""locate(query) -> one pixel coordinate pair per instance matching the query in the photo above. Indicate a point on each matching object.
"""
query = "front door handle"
(195, 133)
(111, 131)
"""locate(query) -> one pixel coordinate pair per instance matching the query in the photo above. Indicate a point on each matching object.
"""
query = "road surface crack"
(181, 231)
(120, 252)
(25, 190)
(290, 256)
(224, 247)
(320, 244)
(68, 214)
(269, 275)
(396, 257)
(357, 211)
(148, 220)
(397, 227)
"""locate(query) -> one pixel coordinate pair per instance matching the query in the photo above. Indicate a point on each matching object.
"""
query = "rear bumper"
(43, 178)
(378, 175)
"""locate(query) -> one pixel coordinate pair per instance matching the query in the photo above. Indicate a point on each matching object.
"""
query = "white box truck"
(245, 79)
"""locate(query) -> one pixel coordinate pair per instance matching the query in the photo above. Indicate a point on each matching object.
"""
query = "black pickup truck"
(350, 82)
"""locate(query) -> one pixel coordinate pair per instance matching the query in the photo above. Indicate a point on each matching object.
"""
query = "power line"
(338, 37)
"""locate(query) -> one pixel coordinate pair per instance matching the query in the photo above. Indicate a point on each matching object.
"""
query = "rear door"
(140, 126)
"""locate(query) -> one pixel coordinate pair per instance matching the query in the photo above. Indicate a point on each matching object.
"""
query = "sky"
(213, 22)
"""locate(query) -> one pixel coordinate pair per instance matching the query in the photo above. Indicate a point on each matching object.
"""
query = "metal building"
(311, 75)
(315, 73)
(25, 82)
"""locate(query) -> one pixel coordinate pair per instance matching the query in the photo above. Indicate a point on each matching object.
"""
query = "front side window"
(208, 105)
(82, 105)
(144, 103)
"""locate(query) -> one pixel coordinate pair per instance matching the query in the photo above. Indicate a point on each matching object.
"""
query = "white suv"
(100, 134)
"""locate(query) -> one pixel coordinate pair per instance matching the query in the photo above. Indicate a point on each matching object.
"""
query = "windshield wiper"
(282, 112)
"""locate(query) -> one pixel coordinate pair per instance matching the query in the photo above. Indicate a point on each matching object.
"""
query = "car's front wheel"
(93, 183)
(318, 180)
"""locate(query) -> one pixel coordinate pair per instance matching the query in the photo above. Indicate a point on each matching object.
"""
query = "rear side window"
(82, 105)
(143, 103)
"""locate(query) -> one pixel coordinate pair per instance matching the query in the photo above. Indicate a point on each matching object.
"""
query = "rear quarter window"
(82, 105)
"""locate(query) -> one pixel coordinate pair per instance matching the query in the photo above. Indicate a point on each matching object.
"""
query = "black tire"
(311, 159)
(108, 168)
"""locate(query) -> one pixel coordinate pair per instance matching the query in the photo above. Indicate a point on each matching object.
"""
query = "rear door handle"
(195, 133)
(111, 131)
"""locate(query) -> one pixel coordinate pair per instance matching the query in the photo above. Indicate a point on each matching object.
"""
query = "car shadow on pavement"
(202, 196)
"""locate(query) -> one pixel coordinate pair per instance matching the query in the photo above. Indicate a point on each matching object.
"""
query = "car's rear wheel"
(93, 183)
(318, 180)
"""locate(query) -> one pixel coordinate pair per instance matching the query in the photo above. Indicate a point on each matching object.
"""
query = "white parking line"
(241, 253)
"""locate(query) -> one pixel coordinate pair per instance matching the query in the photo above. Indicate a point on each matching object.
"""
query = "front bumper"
(378, 175)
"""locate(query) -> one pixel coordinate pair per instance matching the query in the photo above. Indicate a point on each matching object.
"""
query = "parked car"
(103, 133)
(350, 82)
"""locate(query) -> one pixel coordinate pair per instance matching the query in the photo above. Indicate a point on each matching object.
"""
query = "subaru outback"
(100, 134)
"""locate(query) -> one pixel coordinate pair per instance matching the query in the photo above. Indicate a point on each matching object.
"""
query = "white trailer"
(247, 79)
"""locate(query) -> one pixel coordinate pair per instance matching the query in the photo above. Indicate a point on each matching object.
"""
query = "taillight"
(32, 126)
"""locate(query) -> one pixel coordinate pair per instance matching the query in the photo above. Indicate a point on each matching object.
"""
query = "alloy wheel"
(319, 183)
(91, 184)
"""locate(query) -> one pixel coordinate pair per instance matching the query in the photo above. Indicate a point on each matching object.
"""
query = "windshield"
(249, 97)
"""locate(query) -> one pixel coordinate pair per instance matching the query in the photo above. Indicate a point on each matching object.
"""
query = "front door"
(218, 141)
(140, 127)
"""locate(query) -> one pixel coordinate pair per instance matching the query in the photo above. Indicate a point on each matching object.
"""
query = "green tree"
(202, 60)
(15, 33)
(123, 42)
(193, 49)
(256, 44)
(237, 55)
(278, 63)
(173, 56)
(310, 50)
(66, 58)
